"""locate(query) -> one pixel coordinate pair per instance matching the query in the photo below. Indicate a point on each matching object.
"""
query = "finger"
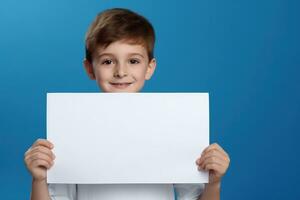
(212, 146)
(213, 159)
(32, 160)
(209, 153)
(213, 152)
(214, 167)
(218, 147)
(215, 147)
(40, 163)
(39, 156)
(43, 142)
(41, 149)
(211, 167)
(218, 167)
(217, 156)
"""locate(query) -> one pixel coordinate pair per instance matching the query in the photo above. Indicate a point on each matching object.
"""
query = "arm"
(38, 158)
(211, 192)
(39, 190)
(215, 160)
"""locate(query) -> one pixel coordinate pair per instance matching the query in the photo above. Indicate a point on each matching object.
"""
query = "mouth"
(121, 85)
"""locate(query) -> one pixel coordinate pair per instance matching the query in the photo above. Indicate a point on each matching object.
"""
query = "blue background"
(244, 53)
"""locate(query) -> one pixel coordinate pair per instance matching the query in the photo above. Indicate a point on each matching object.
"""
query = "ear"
(89, 69)
(150, 69)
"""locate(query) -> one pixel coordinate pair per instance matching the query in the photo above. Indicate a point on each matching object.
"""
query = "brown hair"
(119, 24)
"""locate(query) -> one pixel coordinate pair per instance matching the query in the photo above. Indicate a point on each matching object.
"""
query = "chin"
(110, 88)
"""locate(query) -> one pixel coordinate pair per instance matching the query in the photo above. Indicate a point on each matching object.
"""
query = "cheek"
(102, 74)
(139, 73)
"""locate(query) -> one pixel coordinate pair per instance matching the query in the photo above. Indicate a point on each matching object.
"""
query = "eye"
(106, 62)
(134, 61)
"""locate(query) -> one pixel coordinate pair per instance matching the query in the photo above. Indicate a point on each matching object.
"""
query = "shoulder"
(62, 190)
(188, 191)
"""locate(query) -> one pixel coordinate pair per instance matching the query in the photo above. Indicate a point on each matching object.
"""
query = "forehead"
(122, 48)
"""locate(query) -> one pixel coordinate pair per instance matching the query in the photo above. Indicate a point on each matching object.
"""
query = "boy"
(119, 56)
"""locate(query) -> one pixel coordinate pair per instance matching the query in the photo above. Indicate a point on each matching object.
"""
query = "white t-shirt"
(125, 191)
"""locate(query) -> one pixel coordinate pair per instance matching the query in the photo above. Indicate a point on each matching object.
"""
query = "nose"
(120, 71)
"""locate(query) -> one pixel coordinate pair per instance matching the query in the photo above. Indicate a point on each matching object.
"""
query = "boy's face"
(120, 67)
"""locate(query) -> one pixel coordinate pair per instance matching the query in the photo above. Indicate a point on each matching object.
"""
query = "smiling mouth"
(120, 85)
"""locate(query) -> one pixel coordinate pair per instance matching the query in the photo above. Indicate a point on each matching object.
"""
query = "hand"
(38, 158)
(215, 160)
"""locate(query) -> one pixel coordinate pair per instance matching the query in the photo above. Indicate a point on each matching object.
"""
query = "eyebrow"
(136, 54)
(110, 54)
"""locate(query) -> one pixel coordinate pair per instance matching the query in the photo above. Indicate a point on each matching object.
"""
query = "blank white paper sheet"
(116, 138)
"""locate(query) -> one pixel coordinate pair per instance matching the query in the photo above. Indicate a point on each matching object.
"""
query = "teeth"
(121, 84)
